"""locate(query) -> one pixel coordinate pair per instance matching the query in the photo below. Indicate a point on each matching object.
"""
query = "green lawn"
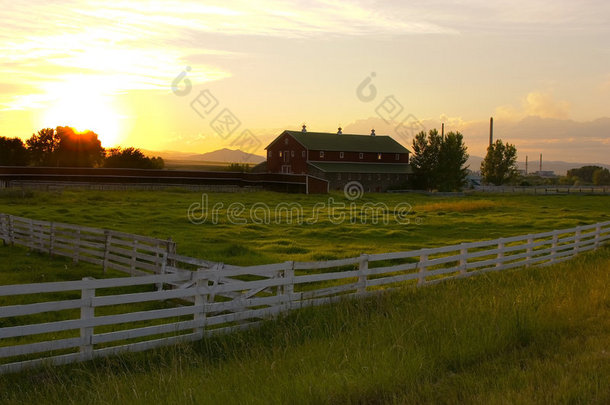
(537, 335)
(434, 221)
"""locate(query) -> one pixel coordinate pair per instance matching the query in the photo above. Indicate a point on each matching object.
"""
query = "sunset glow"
(109, 67)
(82, 108)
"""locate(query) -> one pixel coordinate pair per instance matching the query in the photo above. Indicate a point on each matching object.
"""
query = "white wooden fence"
(133, 254)
(604, 190)
(63, 322)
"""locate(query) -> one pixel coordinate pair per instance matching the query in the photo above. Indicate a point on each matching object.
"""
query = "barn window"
(361, 155)
(269, 153)
(398, 156)
(303, 154)
(291, 153)
(285, 141)
(379, 156)
(341, 155)
(321, 153)
(280, 153)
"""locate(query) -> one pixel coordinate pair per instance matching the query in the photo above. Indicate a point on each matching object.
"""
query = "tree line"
(64, 147)
(439, 161)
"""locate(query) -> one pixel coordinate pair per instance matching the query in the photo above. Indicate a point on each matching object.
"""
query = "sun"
(82, 107)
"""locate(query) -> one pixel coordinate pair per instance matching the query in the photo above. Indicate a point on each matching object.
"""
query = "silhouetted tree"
(43, 146)
(439, 163)
(584, 174)
(601, 177)
(78, 149)
(131, 158)
(500, 164)
(451, 173)
(13, 152)
(425, 159)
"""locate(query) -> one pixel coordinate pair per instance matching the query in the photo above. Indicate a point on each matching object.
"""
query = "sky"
(200, 76)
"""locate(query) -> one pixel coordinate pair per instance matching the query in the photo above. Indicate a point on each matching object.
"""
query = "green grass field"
(538, 335)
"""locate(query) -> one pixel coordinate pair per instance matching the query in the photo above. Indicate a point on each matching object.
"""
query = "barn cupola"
(304, 129)
(372, 132)
(339, 131)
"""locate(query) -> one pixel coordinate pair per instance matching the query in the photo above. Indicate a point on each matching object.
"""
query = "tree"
(43, 146)
(601, 177)
(131, 158)
(453, 156)
(584, 174)
(426, 155)
(13, 152)
(500, 164)
(78, 149)
(439, 163)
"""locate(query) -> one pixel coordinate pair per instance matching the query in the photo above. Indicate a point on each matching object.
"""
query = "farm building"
(377, 162)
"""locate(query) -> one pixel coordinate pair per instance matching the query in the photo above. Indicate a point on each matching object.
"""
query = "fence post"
(500, 256)
(363, 269)
(77, 246)
(598, 231)
(11, 230)
(171, 250)
(107, 237)
(51, 238)
(87, 312)
(423, 260)
(554, 246)
(289, 280)
(529, 250)
(463, 258)
(577, 235)
(200, 301)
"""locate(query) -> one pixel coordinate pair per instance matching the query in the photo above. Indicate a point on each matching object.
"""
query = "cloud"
(543, 105)
(137, 45)
(535, 103)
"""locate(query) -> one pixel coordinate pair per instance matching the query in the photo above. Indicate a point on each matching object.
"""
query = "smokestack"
(443, 131)
(491, 131)
(541, 162)
(525, 164)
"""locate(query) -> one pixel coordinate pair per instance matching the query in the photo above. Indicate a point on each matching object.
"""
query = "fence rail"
(64, 322)
(543, 190)
(129, 253)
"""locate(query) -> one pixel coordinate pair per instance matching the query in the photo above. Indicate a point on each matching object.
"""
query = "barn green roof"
(348, 167)
(346, 142)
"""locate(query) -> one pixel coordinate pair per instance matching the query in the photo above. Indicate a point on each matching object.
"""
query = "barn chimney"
(339, 131)
(372, 132)
(491, 131)
(304, 128)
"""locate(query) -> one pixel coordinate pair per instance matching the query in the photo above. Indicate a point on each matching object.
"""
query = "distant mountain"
(222, 155)
(559, 167)
(228, 156)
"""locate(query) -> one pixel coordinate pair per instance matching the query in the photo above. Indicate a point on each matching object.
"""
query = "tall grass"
(538, 335)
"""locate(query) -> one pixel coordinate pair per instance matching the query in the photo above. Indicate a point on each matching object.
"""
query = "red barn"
(377, 162)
